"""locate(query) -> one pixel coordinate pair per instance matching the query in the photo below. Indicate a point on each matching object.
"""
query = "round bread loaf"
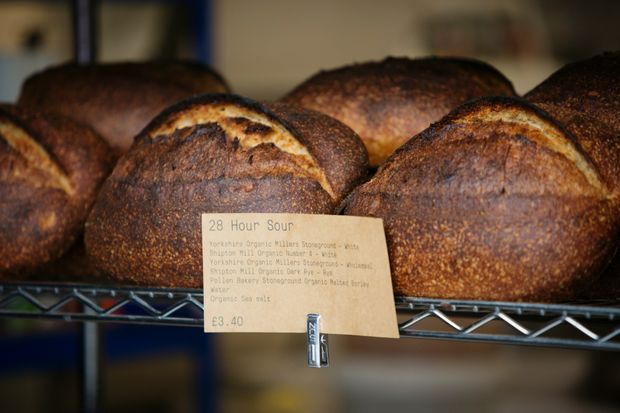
(117, 100)
(50, 170)
(590, 87)
(585, 97)
(215, 153)
(390, 101)
(497, 201)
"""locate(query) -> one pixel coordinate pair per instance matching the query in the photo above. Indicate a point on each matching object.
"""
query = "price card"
(267, 272)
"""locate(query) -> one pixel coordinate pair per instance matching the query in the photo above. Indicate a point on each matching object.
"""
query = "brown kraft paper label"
(267, 272)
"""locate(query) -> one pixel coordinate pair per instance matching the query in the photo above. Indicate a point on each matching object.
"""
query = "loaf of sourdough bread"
(497, 201)
(390, 101)
(50, 170)
(585, 97)
(117, 99)
(215, 153)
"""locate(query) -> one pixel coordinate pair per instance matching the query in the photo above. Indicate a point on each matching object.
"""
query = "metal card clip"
(318, 349)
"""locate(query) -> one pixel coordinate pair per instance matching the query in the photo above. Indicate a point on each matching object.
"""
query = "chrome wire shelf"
(74, 302)
(592, 325)
(584, 326)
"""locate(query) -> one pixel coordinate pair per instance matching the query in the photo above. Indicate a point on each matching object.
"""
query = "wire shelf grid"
(594, 325)
(591, 325)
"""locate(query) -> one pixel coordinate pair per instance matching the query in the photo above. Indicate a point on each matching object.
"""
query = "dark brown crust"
(194, 102)
(598, 140)
(38, 223)
(607, 287)
(390, 101)
(117, 100)
(72, 266)
(145, 226)
(590, 87)
(482, 210)
(585, 96)
(332, 144)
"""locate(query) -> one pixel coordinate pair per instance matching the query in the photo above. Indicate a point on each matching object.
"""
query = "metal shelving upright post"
(84, 13)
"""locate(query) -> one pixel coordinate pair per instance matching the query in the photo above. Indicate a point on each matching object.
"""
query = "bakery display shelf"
(81, 302)
(593, 325)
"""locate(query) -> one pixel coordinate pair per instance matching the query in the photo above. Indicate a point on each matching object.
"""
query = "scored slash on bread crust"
(541, 130)
(35, 156)
(50, 170)
(585, 97)
(214, 153)
(249, 125)
(496, 201)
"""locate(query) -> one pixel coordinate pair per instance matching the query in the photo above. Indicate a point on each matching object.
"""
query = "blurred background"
(267, 47)
(264, 48)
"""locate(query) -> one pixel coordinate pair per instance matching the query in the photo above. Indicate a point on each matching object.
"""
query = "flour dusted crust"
(215, 153)
(497, 201)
